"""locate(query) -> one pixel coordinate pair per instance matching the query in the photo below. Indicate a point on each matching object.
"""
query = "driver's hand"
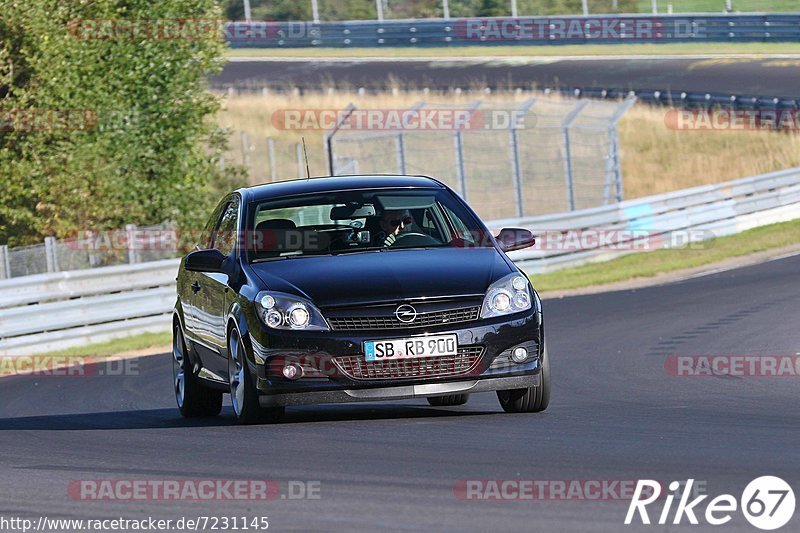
(390, 240)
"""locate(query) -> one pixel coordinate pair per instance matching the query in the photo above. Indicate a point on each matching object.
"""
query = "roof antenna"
(305, 153)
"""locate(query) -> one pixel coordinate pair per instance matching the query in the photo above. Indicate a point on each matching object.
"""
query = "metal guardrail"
(58, 310)
(52, 311)
(420, 33)
(686, 99)
(654, 221)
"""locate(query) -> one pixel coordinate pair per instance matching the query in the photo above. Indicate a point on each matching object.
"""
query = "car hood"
(372, 277)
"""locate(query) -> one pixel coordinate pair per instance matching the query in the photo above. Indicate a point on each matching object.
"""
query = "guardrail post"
(271, 155)
(400, 150)
(5, 263)
(50, 254)
(130, 233)
(458, 141)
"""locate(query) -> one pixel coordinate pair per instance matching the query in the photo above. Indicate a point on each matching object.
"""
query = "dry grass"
(655, 159)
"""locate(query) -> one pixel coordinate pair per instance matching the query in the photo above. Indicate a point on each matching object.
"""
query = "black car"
(354, 288)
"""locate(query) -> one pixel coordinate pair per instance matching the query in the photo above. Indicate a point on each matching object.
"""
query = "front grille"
(434, 318)
(356, 367)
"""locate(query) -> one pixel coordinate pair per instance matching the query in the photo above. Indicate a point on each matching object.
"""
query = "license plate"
(433, 346)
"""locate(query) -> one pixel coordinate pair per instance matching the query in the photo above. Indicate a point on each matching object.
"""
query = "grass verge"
(526, 51)
(117, 346)
(649, 264)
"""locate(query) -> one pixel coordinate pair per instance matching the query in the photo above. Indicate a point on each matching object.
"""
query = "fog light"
(292, 372)
(519, 355)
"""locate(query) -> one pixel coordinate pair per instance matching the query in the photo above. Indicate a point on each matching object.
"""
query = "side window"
(461, 230)
(206, 238)
(227, 232)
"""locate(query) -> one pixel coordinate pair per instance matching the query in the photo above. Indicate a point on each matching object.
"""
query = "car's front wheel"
(244, 395)
(449, 400)
(531, 399)
(192, 397)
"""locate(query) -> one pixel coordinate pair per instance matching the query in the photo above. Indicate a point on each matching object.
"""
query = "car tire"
(449, 400)
(193, 398)
(531, 399)
(244, 395)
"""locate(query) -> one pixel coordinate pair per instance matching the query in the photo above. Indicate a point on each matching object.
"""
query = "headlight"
(284, 311)
(508, 295)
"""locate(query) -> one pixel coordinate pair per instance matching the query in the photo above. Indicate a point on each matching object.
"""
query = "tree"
(146, 148)
(494, 8)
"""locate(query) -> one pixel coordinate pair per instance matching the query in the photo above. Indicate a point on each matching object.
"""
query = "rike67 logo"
(767, 503)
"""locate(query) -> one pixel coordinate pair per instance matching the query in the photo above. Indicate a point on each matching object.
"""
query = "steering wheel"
(415, 239)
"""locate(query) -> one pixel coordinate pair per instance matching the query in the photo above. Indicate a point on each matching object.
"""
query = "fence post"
(400, 150)
(614, 145)
(568, 171)
(50, 254)
(517, 172)
(516, 165)
(617, 163)
(568, 176)
(328, 139)
(271, 154)
(5, 263)
(130, 233)
(94, 259)
(246, 152)
(458, 141)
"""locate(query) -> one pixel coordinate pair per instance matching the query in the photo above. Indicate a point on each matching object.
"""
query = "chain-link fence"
(93, 249)
(541, 156)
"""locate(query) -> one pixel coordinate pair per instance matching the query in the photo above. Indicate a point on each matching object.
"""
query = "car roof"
(338, 183)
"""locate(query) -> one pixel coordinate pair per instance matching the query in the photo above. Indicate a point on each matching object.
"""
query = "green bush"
(149, 147)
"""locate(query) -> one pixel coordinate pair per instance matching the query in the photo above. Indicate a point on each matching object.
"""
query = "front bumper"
(400, 392)
(492, 371)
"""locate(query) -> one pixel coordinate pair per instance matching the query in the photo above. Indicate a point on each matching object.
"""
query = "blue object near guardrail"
(502, 31)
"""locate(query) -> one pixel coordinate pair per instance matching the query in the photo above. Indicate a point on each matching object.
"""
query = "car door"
(188, 282)
(215, 294)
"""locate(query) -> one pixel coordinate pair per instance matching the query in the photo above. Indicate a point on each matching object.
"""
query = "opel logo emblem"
(406, 313)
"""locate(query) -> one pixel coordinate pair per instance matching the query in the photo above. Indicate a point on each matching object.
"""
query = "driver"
(392, 223)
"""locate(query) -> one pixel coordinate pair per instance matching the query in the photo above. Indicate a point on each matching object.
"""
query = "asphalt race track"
(777, 77)
(616, 414)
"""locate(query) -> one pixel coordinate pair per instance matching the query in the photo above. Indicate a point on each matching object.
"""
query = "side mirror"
(515, 239)
(206, 261)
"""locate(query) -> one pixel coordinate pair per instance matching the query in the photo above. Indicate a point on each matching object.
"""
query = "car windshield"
(359, 221)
